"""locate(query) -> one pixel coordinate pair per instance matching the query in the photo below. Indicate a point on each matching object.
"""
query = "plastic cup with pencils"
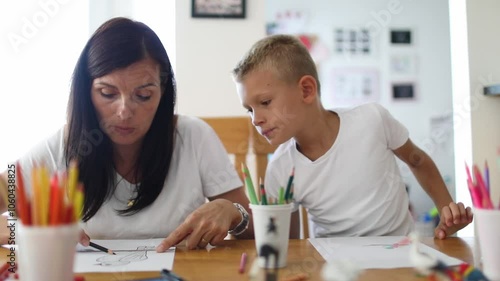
(49, 230)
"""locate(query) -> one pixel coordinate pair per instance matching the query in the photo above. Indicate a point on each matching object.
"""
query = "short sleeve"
(396, 133)
(217, 173)
(49, 152)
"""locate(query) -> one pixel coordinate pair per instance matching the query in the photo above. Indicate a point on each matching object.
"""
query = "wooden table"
(222, 263)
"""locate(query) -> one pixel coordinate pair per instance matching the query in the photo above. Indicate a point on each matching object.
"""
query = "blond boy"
(346, 174)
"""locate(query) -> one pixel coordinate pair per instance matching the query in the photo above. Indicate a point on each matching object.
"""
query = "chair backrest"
(234, 133)
(237, 134)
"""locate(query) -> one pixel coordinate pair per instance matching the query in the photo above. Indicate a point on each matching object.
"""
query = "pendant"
(130, 203)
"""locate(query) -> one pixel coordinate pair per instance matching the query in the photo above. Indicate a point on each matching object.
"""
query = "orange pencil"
(44, 194)
(35, 199)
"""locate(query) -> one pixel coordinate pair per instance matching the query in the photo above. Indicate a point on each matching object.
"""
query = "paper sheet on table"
(374, 252)
(131, 255)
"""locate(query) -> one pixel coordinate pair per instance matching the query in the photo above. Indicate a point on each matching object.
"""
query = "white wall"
(428, 20)
(484, 61)
(40, 42)
(207, 51)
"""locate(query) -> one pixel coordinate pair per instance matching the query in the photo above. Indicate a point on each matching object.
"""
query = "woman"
(147, 172)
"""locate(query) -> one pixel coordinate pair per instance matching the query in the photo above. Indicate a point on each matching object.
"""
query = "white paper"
(374, 252)
(131, 255)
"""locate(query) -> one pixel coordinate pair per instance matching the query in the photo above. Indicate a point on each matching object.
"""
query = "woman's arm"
(210, 222)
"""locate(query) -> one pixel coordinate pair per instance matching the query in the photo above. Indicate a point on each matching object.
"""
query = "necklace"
(132, 189)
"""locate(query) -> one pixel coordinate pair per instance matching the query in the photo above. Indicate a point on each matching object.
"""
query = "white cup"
(488, 231)
(271, 224)
(47, 253)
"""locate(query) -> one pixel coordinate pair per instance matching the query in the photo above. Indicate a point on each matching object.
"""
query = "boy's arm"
(453, 217)
(295, 225)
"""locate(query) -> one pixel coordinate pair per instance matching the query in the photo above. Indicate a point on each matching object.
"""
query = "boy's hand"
(453, 218)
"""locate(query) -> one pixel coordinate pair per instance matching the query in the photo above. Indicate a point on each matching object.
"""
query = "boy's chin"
(276, 140)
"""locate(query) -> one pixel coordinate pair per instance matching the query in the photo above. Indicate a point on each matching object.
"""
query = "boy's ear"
(309, 88)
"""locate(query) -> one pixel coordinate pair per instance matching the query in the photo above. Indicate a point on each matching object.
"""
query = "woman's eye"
(143, 97)
(107, 95)
(266, 102)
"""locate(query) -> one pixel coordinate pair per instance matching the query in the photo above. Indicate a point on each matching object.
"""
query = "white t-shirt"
(355, 188)
(200, 168)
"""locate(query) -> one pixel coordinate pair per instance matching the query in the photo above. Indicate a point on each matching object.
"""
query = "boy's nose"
(257, 119)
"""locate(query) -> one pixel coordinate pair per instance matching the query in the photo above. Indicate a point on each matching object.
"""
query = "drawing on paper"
(125, 257)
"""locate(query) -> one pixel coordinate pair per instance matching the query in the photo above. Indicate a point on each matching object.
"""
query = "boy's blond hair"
(284, 54)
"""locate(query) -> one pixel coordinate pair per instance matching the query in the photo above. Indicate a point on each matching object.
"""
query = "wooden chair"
(237, 135)
(234, 132)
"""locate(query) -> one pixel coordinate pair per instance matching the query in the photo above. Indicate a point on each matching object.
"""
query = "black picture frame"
(401, 37)
(403, 91)
(233, 9)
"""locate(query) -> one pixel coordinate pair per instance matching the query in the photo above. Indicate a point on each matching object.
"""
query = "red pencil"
(485, 197)
(22, 201)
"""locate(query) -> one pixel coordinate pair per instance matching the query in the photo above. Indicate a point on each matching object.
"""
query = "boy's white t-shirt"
(355, 188)
(200, 168)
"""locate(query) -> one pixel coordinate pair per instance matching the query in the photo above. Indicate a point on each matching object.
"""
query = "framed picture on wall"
(218, 9)
(403, 91)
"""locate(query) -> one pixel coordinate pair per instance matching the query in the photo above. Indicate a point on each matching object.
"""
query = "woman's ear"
(309, 88)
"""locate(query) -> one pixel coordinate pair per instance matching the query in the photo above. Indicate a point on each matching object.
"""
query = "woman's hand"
(83, 238)
(207, 224)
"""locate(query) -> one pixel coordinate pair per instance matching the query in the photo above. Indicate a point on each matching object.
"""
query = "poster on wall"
(353, 42)
(353, 86)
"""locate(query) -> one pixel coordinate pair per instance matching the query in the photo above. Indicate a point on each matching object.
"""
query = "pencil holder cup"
(47, 253)
(271, 224)
(488, 229)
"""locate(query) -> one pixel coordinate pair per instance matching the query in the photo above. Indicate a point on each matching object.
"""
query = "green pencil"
(249, 185)
(281, 195)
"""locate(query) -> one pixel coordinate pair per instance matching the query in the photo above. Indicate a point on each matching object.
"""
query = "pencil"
(243, 263)
(263, 196)
(289, 185)
(101, 248)
(487, 176)
(249, 184)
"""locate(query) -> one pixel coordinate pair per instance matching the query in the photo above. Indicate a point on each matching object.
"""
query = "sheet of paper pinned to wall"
(374, 252)
(131, 255)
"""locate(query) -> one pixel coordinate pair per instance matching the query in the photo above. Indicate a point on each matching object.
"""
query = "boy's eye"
(266, 102)
(249, 110)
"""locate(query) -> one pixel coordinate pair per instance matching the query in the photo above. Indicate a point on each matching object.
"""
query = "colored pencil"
(281, 195)
(243, 262)
(249, 185)
(289, 185)
(485, 198)
(263, 196)
(487, 176)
